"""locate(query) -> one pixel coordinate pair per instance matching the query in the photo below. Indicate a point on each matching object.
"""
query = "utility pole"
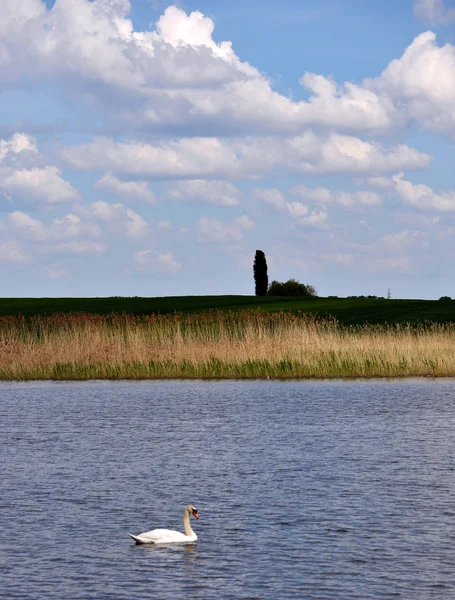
(389, 295)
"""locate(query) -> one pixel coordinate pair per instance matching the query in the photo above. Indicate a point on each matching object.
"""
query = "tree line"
(291, 287)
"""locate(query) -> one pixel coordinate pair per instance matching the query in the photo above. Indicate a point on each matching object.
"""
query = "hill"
(350, 311)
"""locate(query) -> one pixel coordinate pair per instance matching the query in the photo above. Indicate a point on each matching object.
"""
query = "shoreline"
(233, 379)
(95, 373)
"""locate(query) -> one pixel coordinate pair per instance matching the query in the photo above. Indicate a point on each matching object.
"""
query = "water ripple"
(305, 489)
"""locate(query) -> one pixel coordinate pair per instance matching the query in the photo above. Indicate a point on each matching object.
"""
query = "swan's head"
(192, 510)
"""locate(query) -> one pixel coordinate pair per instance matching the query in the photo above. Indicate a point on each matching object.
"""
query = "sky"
(149, 148)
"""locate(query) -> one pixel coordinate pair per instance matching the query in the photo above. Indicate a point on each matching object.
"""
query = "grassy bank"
(218, 344)
(348, 311)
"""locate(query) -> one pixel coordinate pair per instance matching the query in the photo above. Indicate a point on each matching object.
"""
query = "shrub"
(291, 288)
(445, 299)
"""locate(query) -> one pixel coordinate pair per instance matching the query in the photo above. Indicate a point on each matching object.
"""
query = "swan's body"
(168, 536)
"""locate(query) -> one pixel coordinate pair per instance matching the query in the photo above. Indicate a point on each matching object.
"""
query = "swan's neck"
(186, 524)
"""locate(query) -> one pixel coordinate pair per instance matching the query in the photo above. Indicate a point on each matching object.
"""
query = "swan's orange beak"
(195, 515)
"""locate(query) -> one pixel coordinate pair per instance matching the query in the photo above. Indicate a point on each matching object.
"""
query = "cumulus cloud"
(276, 200)
(20, 179)
(43, 185)
(314, 219)
(422, 83)
(120, 218)
(244, 158)
(177, 76)
(222, 193)
(419, 195)
(19, 142)
(211, 230)
(398, 242)
(322, 195)
(147, 260)
(348, 107)
(433, 12)
(422, 196)
(129, 189)
(68, 235)
(69, 227)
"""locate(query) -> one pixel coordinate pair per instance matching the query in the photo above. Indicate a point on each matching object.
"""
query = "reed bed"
(218, 344)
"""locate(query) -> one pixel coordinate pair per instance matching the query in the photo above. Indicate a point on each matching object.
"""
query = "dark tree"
(291, 288)
(261, 278)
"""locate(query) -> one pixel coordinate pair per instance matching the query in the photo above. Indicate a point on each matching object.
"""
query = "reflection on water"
(305, 489)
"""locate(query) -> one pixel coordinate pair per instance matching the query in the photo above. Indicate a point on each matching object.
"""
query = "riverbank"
(218, 345)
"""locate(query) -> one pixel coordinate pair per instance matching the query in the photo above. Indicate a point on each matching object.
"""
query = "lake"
(323, 489)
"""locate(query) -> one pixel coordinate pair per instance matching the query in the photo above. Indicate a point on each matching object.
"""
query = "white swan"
(167, 536)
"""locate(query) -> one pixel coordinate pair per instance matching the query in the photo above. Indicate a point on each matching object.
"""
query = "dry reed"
(217, 344)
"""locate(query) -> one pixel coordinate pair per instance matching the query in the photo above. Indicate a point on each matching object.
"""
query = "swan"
(167, 536)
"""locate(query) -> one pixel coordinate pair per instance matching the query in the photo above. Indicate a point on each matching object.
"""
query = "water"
(304, 489)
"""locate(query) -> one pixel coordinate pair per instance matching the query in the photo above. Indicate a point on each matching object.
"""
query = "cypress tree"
(261, 278)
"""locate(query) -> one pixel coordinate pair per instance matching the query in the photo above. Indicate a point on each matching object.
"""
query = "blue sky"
(149, 148)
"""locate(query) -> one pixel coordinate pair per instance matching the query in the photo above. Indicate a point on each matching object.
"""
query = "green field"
(349, 311)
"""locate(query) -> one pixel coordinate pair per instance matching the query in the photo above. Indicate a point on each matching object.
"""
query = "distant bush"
(291, 288)
(445, 299)
(332, 297)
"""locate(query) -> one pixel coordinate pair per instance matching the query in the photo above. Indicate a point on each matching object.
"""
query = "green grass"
(349, 311)
(217, 369)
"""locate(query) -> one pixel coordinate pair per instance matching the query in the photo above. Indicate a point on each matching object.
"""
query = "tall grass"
(218, 344)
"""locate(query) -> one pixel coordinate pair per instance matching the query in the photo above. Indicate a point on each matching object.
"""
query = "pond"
(323, 489)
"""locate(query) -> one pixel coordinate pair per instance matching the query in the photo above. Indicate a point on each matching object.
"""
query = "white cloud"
(222, 193)
(123, 220)
(398, 242)
(422, 196)
(419, 195)
(243, 158)
(417, 220)
(171, 73)
(433, 11)
(381, 182)
(156, 262)
(19, 178)
(314, 219)
(422, 84)
(44, 185)
(29, 227)
(18, 143)
(322, 195)
(212, 230)
(11, 251)
(348, 108)
(177, 76)
(67, 235)
(129, 189)
(276, 200)
(69, 227)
